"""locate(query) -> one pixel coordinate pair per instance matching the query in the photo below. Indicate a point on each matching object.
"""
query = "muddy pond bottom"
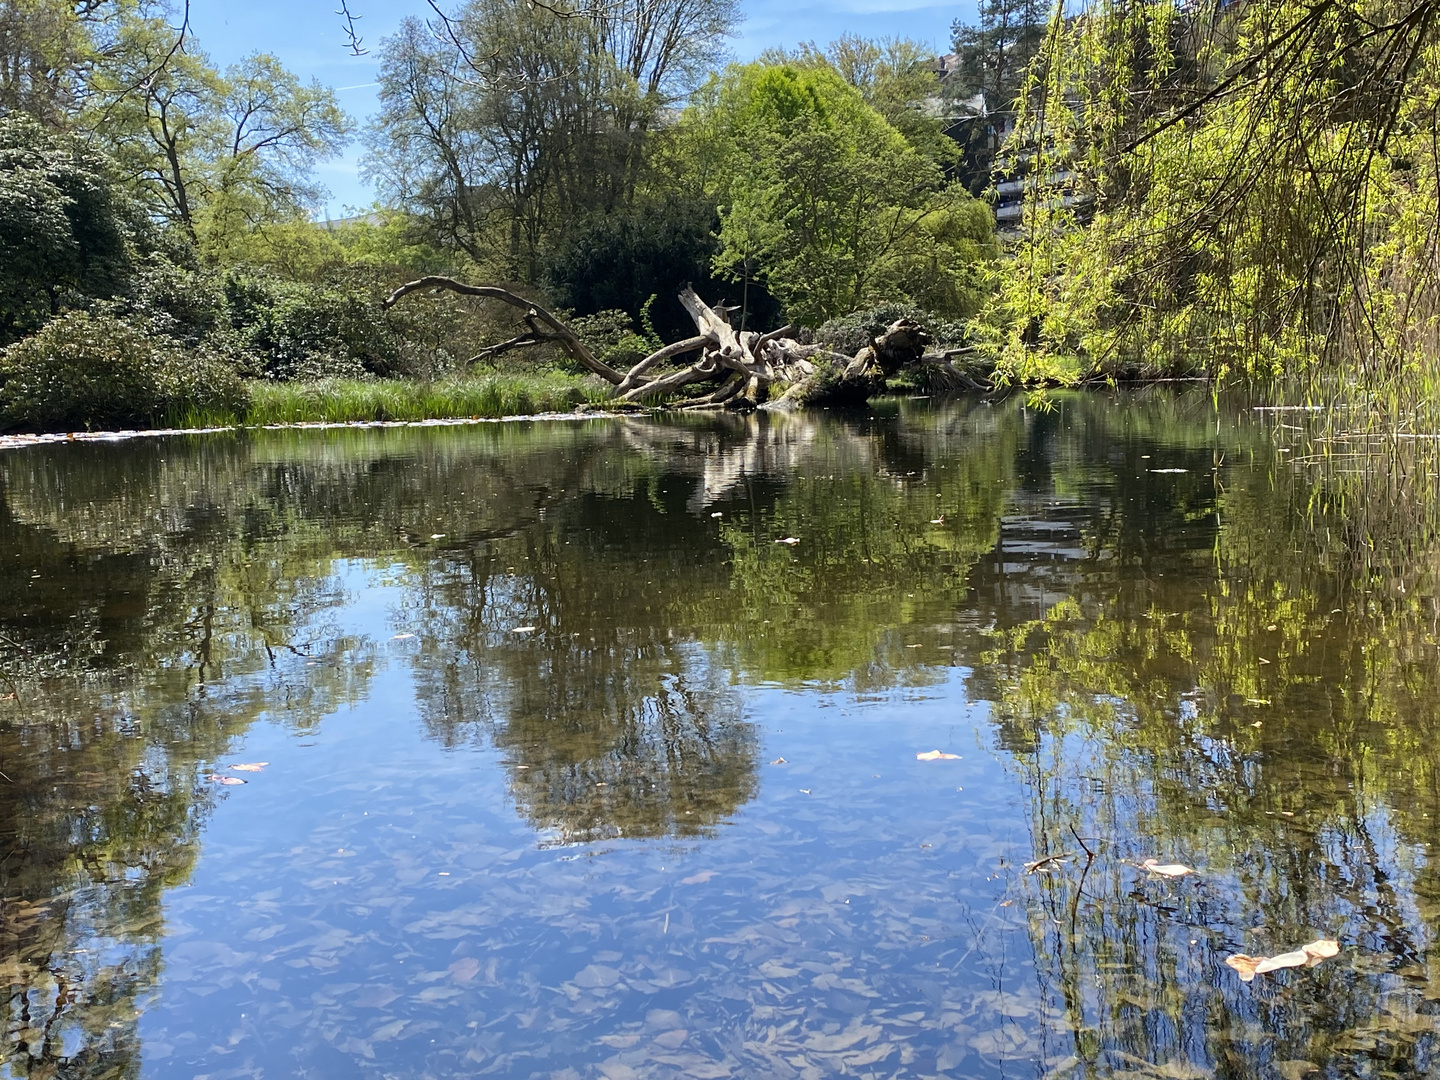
(945, 739)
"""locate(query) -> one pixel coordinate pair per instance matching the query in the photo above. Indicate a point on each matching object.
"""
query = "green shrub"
(199, 382)
(304, 331)
(66, 227)
(86, 371)
(850, 333)
(184, 304)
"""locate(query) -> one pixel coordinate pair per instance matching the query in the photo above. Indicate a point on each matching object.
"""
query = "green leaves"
(825, 200)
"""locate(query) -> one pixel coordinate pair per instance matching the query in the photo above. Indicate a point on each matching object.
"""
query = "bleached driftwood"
(736, 367)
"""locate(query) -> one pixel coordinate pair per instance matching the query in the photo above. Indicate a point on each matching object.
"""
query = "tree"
(897, 78)
(1263, 185)
(820, 195)
(47, 50)
(65, 227)
(993, 54)
(992, 59)
(214, 152)
(505, 124)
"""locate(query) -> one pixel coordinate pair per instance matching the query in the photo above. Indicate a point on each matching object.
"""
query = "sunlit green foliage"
(82, 371)
(217, 153)
(1248, 193)
(824, 200)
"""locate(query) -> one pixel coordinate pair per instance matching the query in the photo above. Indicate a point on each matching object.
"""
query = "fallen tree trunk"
(747, 369)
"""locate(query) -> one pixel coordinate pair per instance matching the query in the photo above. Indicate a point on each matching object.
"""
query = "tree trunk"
(747, 370)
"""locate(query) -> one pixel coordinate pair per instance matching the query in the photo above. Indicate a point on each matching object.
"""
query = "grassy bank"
(343, 400)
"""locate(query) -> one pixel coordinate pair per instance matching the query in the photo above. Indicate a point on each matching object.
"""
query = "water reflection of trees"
(1115, 616)
(646, 597)
(168, 594)
(142, 630)
(1257, 699)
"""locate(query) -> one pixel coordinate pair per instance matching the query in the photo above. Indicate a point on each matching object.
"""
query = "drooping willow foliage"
(1244, 187)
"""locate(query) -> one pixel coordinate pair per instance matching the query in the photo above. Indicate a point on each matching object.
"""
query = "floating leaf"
(524, 629)
(1043, 864)
(1298, 958)
(791, 540)
(1166, 869)
(1305, 956)
(1245, 965)
(249, 766)
(229, 781)
(936, 755)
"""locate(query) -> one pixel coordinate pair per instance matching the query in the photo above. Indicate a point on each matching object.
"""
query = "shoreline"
(19, 441)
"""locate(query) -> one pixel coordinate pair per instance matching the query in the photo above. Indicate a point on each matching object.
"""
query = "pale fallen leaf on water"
(791, 540)
(229, 781)
(1298, 958)
(1166, 869)
(1262, 660)
(524, 629)
(249, 766)
(1044, 864)
(1305, 956)
(936, 755)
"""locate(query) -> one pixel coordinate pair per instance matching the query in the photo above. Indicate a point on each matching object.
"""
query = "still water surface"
(577, 767)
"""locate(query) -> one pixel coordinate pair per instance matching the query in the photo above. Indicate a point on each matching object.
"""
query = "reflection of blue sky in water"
(576, 851)
(373, 900)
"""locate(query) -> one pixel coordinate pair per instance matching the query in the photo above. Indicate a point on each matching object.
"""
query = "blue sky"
(307, 37)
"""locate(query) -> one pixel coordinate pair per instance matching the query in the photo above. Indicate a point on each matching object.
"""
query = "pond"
(593, 748)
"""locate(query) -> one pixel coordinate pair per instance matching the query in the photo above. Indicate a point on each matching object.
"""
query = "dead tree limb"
(572, 344)
(770, 370)
(680, 348)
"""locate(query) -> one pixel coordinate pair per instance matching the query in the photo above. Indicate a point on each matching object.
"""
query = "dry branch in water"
(744, 369)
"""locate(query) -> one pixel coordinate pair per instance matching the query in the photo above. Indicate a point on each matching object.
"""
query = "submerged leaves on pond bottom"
(498, 851)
